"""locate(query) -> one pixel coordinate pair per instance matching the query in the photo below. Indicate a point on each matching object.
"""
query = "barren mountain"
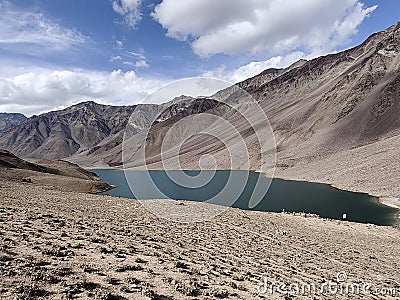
(60, 134)
(320, 107)
(330, 115)
(334, 102)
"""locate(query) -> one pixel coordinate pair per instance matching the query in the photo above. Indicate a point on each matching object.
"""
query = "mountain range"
(335, 119)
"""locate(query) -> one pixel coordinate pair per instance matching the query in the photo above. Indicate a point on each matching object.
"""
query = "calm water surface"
(292, 196)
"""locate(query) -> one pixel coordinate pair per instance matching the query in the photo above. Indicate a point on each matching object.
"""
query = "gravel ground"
(59, 244)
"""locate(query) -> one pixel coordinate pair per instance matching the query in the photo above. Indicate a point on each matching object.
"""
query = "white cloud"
(135, 59)
(129, 63)
(129, 9)
(25, 30)
(114, 58)
(120, 44)
(276, 26)
(137, 64)
(43, 90)
(253, 68)
(141, 64)
(140, 54)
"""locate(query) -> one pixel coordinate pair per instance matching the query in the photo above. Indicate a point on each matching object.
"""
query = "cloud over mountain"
(276, 26)
(42, 90)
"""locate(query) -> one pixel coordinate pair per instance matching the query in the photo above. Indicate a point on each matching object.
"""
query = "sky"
(55, 53)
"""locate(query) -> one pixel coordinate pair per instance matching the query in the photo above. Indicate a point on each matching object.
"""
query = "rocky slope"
(330, 104)
(55, 174)
(337, 101)
(9, 160)
(8, 120)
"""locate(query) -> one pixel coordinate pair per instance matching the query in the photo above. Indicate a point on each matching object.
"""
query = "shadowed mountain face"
(8, 120)
(316, 108)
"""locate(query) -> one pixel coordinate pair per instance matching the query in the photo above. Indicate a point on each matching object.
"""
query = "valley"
(333, 119)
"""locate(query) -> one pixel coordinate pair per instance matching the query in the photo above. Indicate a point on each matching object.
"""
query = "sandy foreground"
(59, 244)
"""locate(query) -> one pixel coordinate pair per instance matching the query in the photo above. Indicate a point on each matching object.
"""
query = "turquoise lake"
(291, 196)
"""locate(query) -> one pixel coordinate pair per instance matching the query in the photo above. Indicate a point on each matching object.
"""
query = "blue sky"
(54, 53)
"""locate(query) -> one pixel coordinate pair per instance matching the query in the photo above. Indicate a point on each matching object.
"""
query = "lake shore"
(62, 243)
(372, 169)
(360, 207)
(389, 201)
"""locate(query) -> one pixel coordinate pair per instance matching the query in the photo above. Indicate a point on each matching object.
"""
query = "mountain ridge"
(317, 109)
